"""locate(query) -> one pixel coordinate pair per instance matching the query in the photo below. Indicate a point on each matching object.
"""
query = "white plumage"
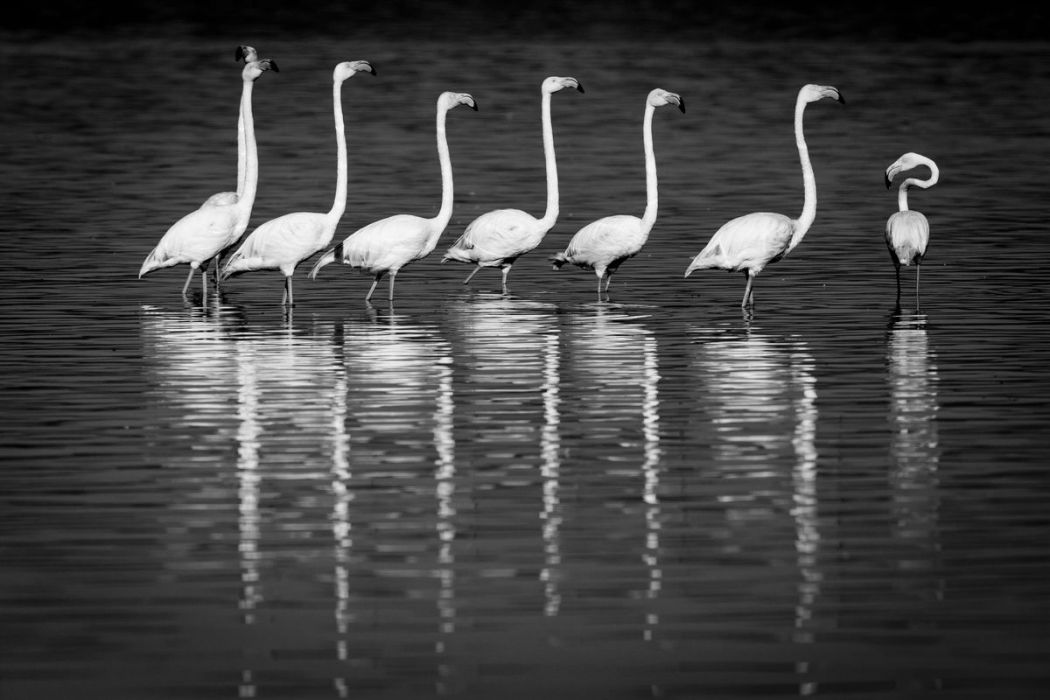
(907, 231)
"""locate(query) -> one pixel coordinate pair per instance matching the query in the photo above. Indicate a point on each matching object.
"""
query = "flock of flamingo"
(497, 238)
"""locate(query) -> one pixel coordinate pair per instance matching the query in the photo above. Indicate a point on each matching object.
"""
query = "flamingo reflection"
(762, 394)
(616, 357)
(913, 417)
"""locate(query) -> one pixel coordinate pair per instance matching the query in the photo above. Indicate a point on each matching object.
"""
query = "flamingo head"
(907, 162)
(254, 69)
(347, 68)
(812, 93)
(245, 53)
(556, 83)
(450, 100)
(659, 98)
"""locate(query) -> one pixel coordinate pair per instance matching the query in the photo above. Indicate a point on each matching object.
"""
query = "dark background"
(883, 20)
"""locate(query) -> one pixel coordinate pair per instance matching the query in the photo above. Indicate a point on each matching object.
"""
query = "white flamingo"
(385, 246)
(750, 242)
(907, 231)
(603, 245)
(498, 238)
(284, 242)
(205, 232)
(247, 54)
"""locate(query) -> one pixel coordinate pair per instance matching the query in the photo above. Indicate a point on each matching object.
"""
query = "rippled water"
(537, 494)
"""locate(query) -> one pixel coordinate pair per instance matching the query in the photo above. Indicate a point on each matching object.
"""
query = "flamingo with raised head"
(750, 242)
(383, 247)
(908, 231)
(204, 233)
(603, 245)
(284, 242)
(247, 54)
(498, 238)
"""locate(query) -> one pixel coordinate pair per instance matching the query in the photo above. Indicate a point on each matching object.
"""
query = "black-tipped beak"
(474, 105)
(273, 65)
(842, 100)
(889, 182)
(579, 86)
(372, 69)
(681, 105)
(238, 54)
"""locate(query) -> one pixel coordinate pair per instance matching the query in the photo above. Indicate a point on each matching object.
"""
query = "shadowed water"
(535, 494)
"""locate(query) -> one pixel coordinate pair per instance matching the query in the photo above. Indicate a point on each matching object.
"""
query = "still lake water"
(532, 495)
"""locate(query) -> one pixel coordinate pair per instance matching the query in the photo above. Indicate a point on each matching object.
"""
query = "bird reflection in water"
(761, 393)
(913, 421)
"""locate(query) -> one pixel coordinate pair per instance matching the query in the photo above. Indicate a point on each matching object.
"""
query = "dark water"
(536, 495)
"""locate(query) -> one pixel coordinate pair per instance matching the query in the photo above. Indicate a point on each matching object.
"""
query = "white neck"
(440, 221)
(339, 205)
(251, 161)
(809, 180)
(902, 193)
(241, 151)
(551, 215)
(649, 218)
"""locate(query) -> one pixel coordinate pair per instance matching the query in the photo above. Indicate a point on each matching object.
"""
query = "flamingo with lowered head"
(204, 233)
(498, 238)
(284, 242)
(383, 247)
(603, 245)
(907, 231)
(750, 242)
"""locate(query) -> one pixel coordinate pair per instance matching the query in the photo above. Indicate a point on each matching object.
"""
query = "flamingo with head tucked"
(498, 238)
(908, 231)
(603, 245)
(284, 242)
(384, 247)
(204, 233)
(750, 242)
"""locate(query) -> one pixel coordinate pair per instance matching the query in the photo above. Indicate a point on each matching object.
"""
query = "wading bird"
(604, 244)
(750, 242)
(907, 231)
(246, 54)
(383, 247)
(498, 238)
(284, 242)
(205, 232)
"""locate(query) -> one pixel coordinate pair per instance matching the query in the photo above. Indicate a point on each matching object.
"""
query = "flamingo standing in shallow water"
(748, 243)
(603, 245)
(498, 238)
(205, 232)
(907, 231)
(383, 247)
(284, 242)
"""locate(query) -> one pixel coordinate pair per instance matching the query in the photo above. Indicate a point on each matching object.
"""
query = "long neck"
(445, 213)
(241, 151)
(902, 193)
(339, 205)
(251, 160)
(809, 180)
(551, 215)
(649, 218)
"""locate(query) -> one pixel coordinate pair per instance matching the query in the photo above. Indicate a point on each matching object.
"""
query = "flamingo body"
(748, 243)
(603, 245)
(284, 242)
(908, 231)
(384, 247)
(498, 238)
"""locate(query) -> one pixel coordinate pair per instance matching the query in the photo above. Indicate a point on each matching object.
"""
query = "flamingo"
(907, 231)
(205, 232)
(385, 246)
(603, 245)
(498, 238)
(750, 242)
(284, 242)
(247, 54)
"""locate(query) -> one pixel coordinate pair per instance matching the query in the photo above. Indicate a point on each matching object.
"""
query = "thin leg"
(373, 287)
(393, 276)
(288, 292)
(472, 273)
(747, 290)
(506, 271)
(189, 278)
(897, 269)
(600, 286)
(608, 281)
(917, 268)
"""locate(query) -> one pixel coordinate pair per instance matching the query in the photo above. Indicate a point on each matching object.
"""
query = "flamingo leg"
(506, 271)
(917, 268)
(600, 286)
(608, 281)
(393, 276)
(748, 300)
(287, 296)
(472, 273)
(189, 278)
(373, 287)
(897, 269)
